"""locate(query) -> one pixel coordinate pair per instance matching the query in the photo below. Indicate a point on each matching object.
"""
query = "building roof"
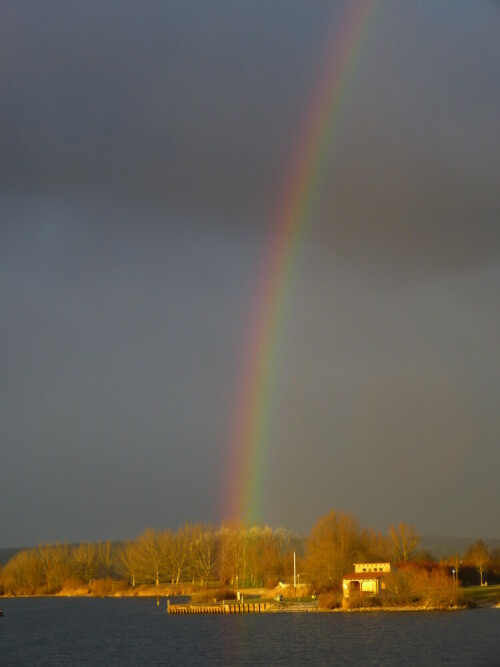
(374, 562)
(365, 575)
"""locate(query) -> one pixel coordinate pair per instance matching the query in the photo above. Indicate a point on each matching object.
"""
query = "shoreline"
(273, 608)
(248, 595)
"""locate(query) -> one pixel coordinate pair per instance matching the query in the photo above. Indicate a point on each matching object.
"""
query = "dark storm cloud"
(195, 108)
(142, 149)
(415, 177)
(165, 99)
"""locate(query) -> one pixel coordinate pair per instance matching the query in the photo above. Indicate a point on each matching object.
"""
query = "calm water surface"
(81, 631)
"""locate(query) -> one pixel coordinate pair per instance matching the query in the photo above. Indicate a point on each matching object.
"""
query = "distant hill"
(6, 554)
(441, 546)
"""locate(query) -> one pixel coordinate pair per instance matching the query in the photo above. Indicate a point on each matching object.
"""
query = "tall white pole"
(294, 572)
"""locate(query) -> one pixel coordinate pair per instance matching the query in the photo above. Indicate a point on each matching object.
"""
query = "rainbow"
(295, 208)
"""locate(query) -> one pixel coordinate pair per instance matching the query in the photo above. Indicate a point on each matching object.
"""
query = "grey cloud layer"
(142, 149)
(196, 109)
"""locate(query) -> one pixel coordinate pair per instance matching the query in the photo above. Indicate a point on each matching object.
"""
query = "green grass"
(482, 593)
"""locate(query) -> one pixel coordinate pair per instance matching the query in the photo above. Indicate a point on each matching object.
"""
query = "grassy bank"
(482, 595)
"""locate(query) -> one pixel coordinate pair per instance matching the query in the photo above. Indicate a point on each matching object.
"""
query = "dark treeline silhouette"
(197, 556)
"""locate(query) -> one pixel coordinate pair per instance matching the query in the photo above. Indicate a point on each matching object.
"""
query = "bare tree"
(106, 556)
(335, 543)
(478, 555)
(152, 555)
(127, 560)
(179, 549)
(455, 564)
(23, 573)
(268, 554)
(224, 536)
(495, 560)
(86, 557)
(404, 541)
(232, 563)
(379, 547)
(54, 563)
(204, 554)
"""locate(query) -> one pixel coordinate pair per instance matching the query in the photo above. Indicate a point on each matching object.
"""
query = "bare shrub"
(119, 586)
(373, 601)
(8, 586)
(430, 586)
(330, 600)
(101, 587)
(214, 595)
(435, 588)
(73, 585)
(399, 588)
(363, 601)
(226, 594)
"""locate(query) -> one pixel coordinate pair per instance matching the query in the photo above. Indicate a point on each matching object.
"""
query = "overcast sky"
(143, 146)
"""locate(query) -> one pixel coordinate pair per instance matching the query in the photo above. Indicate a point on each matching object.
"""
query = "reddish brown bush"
(329, 601)
(214, 594)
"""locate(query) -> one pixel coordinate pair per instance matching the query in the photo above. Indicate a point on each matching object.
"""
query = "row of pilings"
(224, 608)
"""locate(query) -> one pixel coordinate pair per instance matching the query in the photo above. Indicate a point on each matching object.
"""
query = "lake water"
(90, 631)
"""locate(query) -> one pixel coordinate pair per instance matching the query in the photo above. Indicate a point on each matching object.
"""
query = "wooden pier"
(224, 608)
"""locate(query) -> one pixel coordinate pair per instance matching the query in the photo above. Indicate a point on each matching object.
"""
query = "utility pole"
(457, 566)
(294, 574)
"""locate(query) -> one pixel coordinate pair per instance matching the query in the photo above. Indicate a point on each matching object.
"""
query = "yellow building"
(367, 578)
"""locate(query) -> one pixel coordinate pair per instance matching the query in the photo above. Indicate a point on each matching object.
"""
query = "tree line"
(229, 555)
(194, 554)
